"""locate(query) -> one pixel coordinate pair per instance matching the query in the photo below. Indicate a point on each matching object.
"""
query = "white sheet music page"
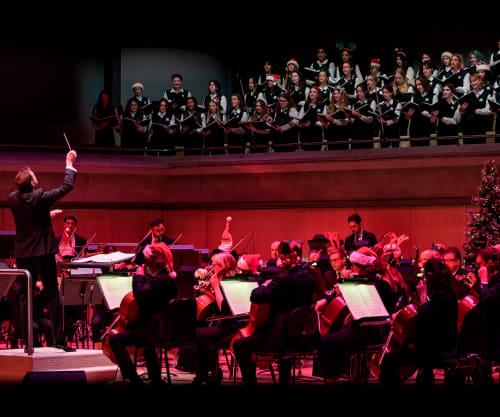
(114, 257)
(237, 295)
(363, 300)
(114, 288)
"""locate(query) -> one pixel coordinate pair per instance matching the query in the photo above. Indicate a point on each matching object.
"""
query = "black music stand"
(80, 290)
(185, 282)
(185, 255)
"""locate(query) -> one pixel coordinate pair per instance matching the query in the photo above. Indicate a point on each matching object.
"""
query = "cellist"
(293, 288)
(351, 336)
(435, 334)
(153, 287)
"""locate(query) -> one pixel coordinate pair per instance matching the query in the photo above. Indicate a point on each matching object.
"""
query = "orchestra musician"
(435, 334)
(156, 235)
(212, 337)
(153, 287)
(69, 243)
(35, 245)
(352, 337)
(358, 233)
(293, 288)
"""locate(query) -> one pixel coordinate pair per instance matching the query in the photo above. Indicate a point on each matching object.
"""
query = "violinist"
(462, 281)
(153, 287)
(156, 235)
(69, 243)
(352, 336)
(285, 292)
(435, 334)
(211, 338)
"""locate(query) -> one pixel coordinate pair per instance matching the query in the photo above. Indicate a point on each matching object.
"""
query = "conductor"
(35, 244)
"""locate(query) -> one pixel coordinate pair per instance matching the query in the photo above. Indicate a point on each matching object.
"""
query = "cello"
(127, 315)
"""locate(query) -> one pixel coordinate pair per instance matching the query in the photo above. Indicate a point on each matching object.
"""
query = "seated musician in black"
(156, 235)
(435, 334)
(352, 336)
(153, 288)
(212, 337)
(291, 289)
(69, 243)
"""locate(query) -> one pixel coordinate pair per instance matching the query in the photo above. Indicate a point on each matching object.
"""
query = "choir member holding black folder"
(475, 110)
(162, 133)
(285, 129)
(236, 135)
(362, 112)
(105, 120)
(134, 127)
(338, 127)
(448, 116)
(191, 128)
(213, 131)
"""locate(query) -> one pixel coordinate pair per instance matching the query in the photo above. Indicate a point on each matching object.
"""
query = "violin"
(127, 315)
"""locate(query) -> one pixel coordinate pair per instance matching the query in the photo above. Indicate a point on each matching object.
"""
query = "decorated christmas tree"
(484, 222)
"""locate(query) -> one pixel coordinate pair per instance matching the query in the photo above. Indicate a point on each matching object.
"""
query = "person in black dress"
(134, 127)
(106, 121)
(448, 117)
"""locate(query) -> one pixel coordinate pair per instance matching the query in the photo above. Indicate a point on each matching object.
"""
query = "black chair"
(180, 328)
(301, 326)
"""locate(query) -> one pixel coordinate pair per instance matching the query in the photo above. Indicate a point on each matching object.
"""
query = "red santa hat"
(138, 84)
(226, 243)
(375, 62)
(446, 53)
(294, 62)
(250, 262)
(162, 248)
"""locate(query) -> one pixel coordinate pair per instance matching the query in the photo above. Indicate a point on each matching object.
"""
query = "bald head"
(426, 255)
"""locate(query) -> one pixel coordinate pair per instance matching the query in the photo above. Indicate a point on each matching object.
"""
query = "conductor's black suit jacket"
(31, 211)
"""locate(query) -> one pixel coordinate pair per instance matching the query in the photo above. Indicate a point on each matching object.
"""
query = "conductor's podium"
(55, 365)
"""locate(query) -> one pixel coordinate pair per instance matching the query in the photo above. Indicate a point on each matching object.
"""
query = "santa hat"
(446, 53)
(360, 258)
(226, 243)
(294, 62)
(161, 247)
(138, 84)
(375, 62)
(250, 262)
(483, 66)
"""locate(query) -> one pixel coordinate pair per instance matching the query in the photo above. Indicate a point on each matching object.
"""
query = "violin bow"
(248, 243)
(85, 246)
(176, 240)
(142, 240)
(241, 240)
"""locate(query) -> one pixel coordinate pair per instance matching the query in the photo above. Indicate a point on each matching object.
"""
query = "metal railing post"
(29, 304)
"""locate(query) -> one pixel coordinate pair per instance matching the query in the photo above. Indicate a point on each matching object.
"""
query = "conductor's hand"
(71, 158)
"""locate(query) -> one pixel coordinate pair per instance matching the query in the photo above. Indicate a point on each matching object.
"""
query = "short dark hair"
(70, 218)
(437, 274)
(155, 222)
(428, 64)
(23, 180)
(176, 76)
(285, 249)
(340, 251)
(456, 253)
(354, 218)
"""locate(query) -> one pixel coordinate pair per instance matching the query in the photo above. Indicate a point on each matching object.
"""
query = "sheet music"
(115, 257)
(363, 300)
(237, 295)
(114, 288)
